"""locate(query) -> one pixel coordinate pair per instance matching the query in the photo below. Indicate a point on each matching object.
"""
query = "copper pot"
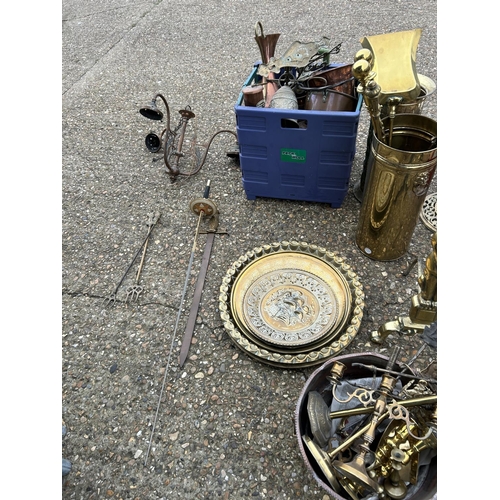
(339, 77)
(254, 96)
(329, 100)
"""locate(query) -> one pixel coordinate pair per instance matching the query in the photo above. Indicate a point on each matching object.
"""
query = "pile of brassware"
(367, 428)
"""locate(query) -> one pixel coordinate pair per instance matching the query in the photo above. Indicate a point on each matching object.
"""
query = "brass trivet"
(428, 214)
(291, 304)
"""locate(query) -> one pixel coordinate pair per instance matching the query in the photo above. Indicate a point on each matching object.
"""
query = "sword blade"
(189, 331)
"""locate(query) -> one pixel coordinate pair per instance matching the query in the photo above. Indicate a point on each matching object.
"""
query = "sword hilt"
(207, 189)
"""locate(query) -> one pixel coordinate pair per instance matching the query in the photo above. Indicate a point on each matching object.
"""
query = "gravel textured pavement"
(225, 424)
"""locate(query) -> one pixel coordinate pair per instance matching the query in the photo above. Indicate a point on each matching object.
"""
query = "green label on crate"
(293, 155)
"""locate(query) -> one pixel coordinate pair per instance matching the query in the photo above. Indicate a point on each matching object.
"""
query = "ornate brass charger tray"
(291, 304)
(290, 300)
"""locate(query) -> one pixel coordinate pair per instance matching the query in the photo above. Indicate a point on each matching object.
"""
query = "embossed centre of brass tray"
(290, 299)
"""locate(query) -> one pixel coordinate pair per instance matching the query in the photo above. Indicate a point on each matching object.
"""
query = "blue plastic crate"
(309, 164)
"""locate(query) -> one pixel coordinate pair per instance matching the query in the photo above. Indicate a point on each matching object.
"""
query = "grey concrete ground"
(225, 425)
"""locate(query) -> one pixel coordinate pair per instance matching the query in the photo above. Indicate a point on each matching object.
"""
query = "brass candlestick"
(356, 469)
(320, 416)
(394, 486)
(399, 435)
(336, 373)
(323, 459)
